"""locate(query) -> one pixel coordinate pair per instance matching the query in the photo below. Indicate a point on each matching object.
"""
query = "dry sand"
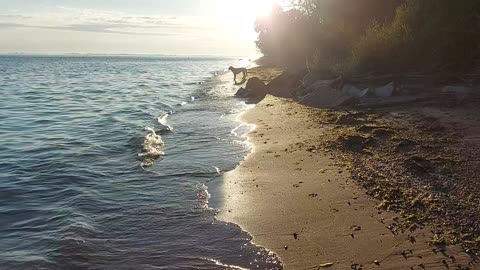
(294, 200)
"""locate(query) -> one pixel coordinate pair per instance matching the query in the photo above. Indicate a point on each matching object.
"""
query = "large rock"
(257, 86)
(458, 93)
(384, 91)
(351, 90)
(284, 84)
(321, 94)
(242, 93)
(311, 77)
(255, 90)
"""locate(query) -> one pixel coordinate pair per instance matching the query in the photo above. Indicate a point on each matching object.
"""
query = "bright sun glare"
(240, 15)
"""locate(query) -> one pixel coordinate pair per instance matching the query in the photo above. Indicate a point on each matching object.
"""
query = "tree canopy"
(351, 36)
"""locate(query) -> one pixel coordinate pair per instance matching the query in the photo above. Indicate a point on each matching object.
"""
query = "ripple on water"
(72, 193)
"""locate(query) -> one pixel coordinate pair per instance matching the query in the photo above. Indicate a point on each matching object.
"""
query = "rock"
(461, 90)
(384, 91)
(284, 84)
(256, 85)
(255, 90)
(321, 94)
(242, 93)
(311, 77)
(353, 91)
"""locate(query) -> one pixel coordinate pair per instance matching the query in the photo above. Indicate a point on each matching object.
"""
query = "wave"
(225, 266)
(162, 120)
(193, 83)
(152, 148)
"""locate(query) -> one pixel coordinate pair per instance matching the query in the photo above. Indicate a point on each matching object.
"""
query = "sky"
(171, 27)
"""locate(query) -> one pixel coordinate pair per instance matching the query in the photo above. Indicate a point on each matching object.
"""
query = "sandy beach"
(295, 200)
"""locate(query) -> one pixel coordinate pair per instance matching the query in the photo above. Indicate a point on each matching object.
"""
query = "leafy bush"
(357, 36)
(425, 35)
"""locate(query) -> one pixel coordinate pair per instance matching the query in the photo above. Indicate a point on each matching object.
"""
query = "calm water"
(83, 184)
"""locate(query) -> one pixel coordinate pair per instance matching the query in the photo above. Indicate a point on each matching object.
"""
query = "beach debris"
(355, 143)
(383, 133)
(325, 265)
(285, 247)
(313, 195)
(418, 165)
(405, 145)
(356, 266)
(411, 239)
(356, 228)
(376, 262)
(295, 236)
(377, 102)
(438, 241)
(349, 118)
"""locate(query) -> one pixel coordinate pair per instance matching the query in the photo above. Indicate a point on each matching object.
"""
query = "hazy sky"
(186, 27)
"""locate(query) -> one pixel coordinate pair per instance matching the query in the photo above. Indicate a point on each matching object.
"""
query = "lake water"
(104, 163)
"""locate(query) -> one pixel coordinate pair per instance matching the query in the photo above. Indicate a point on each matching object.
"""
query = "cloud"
(93, 28)
(99, 21)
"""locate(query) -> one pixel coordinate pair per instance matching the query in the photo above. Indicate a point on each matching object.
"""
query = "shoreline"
(295, 201)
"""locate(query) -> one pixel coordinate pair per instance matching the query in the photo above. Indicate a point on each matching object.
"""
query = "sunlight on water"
(76, 132)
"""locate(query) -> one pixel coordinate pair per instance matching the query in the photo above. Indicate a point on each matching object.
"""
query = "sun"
(239, 16)
(259, 7)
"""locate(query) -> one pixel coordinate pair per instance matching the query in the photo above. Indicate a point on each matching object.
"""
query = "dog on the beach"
(237, 71)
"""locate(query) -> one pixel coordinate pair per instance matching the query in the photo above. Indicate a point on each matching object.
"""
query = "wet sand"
(294, 200)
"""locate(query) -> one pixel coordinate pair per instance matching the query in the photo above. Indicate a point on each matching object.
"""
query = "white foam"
(228, 266)
(152, 148)
(162, 120)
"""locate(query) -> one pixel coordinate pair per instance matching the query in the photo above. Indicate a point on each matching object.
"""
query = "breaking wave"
(152, 148)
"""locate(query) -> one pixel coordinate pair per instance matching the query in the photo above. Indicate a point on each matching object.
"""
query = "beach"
(297, 199)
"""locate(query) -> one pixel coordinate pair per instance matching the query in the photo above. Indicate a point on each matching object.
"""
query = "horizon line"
(123, 54)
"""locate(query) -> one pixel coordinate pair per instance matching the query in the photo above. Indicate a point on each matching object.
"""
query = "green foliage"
(425, 35)
(282, 36)
(353, 36)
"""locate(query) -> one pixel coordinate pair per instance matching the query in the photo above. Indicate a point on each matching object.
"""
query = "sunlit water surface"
(79, 188)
